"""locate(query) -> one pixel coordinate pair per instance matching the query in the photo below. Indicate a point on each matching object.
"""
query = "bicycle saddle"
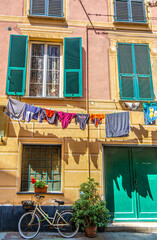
(59, 202)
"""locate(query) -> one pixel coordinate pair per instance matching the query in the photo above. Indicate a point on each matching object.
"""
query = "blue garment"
(32, 112)
(150, 113)
(117, 124)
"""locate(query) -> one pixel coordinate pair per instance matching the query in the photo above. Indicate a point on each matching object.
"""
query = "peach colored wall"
(4, 50)
(99, 87)
(77, 11)
(11, 7)
(153, 11)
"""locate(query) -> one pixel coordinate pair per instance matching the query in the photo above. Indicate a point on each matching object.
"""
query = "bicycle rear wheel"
(27, 226)
(70, 228)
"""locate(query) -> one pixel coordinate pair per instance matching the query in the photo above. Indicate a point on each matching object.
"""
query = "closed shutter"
(125, 63)
(55, 8)
(138, 11)
(16, 76)
(121, 10)
(143, 71)
(72, 67)
(38, 7)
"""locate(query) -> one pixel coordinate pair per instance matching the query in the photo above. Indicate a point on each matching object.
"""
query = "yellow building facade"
(82, 151)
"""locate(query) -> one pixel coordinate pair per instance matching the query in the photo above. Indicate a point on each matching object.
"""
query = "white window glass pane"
(53, 71)
(37, 69)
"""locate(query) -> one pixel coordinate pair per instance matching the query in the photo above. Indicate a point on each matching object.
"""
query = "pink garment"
(65, 118)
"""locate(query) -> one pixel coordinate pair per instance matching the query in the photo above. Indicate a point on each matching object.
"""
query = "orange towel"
(97, 118)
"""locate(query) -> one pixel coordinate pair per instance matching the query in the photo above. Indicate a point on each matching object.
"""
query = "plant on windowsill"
(90, 211)
(39, 186)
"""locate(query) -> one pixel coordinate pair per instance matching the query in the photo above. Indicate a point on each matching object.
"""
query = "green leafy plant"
(89, 209)
(38, 183)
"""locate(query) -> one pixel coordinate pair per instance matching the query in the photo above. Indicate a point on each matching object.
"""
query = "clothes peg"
(82, 113)
(66, 111)
(50, 109)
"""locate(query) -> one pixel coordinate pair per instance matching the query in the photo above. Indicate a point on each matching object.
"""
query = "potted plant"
(39, 186)
(89, 210)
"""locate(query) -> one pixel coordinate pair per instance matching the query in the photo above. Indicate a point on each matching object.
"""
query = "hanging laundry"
(132, 106)
(14, 109)
(97, 118)
(150, 113)
(82, 119)
(117, 124)
(50, 116)
(65, 118)
(32, 112)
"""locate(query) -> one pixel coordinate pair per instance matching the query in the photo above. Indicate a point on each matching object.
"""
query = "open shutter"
(121, 10)
(72, 67)
(16, 75)
(125, 64)
(143, 71)
(138, 11)
(55, 8)
(38, 7)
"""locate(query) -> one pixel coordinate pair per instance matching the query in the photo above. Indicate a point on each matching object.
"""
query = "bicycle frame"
(46, 217)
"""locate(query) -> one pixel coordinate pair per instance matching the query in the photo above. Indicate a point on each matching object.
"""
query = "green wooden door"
(145, 167)
(130, 182)
(120, 193)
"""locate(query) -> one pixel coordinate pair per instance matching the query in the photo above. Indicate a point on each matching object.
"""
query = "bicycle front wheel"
(65, 226)
(29, 225)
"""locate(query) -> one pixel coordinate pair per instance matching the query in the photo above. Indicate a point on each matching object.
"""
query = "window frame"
(46, 10)
(134, 75)
(130, 20)
(45, 69)
(61, 173)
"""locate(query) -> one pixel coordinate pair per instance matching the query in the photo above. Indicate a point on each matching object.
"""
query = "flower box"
(41, 190)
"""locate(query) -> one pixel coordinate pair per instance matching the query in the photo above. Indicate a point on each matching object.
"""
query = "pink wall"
(153, 11)
(4, 50)
(99, 82)
(78, 12)
(11, 7)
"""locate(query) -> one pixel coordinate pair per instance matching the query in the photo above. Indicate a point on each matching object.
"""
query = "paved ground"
(81, 236)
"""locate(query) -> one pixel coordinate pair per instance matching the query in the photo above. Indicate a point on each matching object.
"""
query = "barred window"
(41, 162)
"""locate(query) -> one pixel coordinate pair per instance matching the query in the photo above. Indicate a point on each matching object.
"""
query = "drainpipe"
(87, 101)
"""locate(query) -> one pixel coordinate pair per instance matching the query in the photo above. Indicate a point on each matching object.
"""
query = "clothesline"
(18, 110)
(117, 124)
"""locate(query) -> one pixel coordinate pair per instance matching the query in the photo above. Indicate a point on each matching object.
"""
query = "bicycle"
(30, 222)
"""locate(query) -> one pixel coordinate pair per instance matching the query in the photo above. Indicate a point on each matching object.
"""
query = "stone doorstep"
(149, 227)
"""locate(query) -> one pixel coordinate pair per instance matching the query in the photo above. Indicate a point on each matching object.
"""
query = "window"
(45, 76)
(135, 78)
(42, 162)
(51, 8)
(130, 11)
(45, 68)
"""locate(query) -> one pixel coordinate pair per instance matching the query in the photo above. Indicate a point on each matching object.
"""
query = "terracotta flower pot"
(91, 231)
(40, 190)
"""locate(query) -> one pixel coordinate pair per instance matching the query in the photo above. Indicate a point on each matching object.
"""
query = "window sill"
(130, 23)
(47, 98)
(48, 193)
(46, 17)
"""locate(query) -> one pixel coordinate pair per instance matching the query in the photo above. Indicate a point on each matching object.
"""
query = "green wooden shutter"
(121, 10)
(143, 71)
(55, 8)
(138, 11)
(72, 67)
(125, 65)
(16, 76)
(38, 7)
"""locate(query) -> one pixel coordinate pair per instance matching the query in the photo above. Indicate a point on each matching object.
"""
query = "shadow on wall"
(77, 147)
